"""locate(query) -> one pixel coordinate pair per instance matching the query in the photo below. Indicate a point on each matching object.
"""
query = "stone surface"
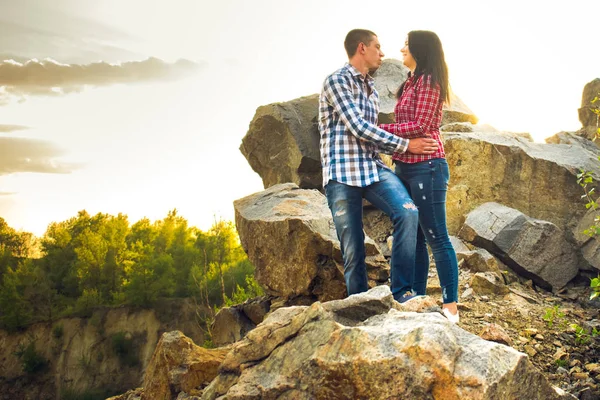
(533, 248)
(479, 260)
(282, 143)
(179, 365)
(229, 326)
(590, 90)
(484, 283)
(306, 353)
(289, 236)
(495, 333)
(590, 246)
(505, 168)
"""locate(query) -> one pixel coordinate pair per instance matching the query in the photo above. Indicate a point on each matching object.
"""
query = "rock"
(488, 166)
(304, 353)
(533, 248)
(590, 246)
(488, 283)
(479, 260)
(359, 307)
(586, 116)
(459, 245)
(229, 326)
(289, 236)
(457, 127)
(531, 352)
(282, 143)
(495, 333)
(467, 294)
(388, 78)
(179, 365)
(256, 309)
(573, 139)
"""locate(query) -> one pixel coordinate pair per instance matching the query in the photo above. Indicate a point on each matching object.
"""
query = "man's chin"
(372, 70)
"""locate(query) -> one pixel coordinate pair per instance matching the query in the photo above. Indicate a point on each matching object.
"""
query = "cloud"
(51, 78)
(12, 128)
(31, 155)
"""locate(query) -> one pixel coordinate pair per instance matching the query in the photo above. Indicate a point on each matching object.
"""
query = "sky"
(140, 106)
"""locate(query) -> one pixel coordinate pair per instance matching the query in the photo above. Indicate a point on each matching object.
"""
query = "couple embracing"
(414, 194)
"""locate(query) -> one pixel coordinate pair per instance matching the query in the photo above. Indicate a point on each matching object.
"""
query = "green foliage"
(562, 362)
(124, 347)
(95, 261)
(58, 331)
(581, 335)
(554, 315)
(595, 285)
(32, 362)
(241, 294)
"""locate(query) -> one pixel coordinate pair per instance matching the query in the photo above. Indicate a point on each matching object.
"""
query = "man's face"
(373, 53)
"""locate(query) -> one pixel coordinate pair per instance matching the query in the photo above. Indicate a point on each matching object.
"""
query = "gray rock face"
(282, 143)
(586, 116)
(538, 179)
(307, 353)
(229, 326)
(289, 236)
(533, 248)
(479, 260)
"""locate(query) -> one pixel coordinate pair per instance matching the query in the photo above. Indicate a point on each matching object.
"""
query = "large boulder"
(349, 351)
(533, 248)
(282, 142)
(289, 235)
(538, 179)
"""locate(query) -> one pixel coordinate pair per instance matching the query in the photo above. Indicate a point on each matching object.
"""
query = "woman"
(419, 114)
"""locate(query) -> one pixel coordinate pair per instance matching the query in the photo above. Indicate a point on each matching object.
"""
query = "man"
(353, 170)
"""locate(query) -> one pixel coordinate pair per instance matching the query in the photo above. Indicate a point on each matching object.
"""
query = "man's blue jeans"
(427, 182)
(391, 197)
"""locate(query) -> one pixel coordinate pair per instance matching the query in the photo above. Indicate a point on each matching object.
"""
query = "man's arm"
(338, 93)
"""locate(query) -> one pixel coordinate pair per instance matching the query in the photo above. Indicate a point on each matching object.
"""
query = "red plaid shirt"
(418, 114)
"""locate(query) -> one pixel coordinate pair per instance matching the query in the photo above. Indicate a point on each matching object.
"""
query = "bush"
(124, 347)
(58, 331)
(32, 362)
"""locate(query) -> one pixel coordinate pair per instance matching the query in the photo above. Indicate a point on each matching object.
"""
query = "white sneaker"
(453, 318)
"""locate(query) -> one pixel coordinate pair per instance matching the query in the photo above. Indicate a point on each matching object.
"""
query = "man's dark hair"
(355, 37)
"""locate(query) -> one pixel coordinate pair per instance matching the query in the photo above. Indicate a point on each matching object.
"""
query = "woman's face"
(407, 58)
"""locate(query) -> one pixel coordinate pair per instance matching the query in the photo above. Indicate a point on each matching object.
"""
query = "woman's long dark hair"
(426, 49)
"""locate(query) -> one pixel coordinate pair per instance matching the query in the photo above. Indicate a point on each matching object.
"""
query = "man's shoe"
(453, 318)
(408, 296)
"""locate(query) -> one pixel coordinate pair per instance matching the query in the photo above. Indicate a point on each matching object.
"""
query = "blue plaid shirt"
(350, 138)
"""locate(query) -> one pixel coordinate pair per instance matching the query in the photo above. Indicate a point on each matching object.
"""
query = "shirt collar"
(356, 73)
